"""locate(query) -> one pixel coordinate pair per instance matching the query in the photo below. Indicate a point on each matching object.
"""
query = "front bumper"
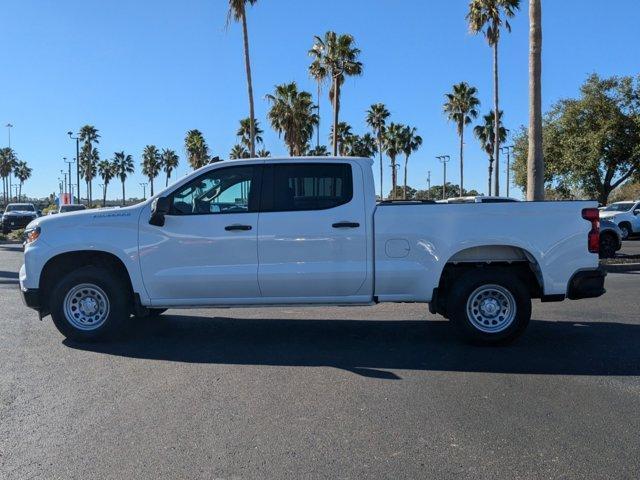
(587, 284)
(31, 298)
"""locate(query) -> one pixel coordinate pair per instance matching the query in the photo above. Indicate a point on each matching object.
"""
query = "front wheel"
(489, 306)
(88, 304)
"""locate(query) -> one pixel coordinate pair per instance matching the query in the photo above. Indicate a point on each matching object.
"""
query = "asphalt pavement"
(337, 393)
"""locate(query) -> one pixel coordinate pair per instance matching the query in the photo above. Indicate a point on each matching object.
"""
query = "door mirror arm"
(159, 208)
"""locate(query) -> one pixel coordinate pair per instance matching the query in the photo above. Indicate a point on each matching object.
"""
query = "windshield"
(619, 207)
(20, 207)
(71, 208)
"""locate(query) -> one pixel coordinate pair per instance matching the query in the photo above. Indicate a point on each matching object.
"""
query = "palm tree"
(411, 141)
(319, 73)
(376, 119)
(123, 166)
(197, 149)
(344, 136)
(22, 173)
(238, 12)
(238, 151)
(486, 16)
(106, 170)
(88, 156)
(292, 114)
(485, 133)
(263, 153)
(362, 146)
(338, 55)
(244, 132)
(169, 161)
(7, 162)
(393, 147)
(535, 159)
(318, 151)
(151, 164)
(461, 107)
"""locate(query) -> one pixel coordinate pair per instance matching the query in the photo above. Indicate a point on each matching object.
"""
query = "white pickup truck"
(308, 231)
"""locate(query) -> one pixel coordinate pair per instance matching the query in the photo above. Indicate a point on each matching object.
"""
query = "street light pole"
(444, 159)
(9, 127)
(144, 190)
(77, 139)
(70, 189)
(508, 149)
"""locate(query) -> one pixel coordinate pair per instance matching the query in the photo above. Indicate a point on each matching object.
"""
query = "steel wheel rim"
(86, 306)
(491, 308)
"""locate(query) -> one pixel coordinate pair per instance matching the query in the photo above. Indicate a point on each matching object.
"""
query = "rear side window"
(291, 187)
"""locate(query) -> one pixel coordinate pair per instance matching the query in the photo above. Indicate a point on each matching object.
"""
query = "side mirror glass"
(159, 208)
(636, 211)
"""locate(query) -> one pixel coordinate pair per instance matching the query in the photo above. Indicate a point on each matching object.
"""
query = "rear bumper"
(587, 284)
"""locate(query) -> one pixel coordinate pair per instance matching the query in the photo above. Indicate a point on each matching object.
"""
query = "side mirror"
(159, 208)
(636, 211)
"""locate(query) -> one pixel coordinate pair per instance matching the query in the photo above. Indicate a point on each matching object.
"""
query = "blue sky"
(146, 72)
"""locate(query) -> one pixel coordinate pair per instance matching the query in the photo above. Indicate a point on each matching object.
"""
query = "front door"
(207, 249)
(312, 239)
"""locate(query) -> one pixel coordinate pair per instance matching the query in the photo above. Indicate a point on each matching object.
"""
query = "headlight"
(32, 234)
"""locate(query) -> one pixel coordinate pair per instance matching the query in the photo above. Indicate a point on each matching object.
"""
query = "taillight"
(593, 239)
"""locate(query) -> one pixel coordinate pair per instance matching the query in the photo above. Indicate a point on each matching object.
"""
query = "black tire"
(483, 285)
(107, 283)
(608, 245)
(626, 230)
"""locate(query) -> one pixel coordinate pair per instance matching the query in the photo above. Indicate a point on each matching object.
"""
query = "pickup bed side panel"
(413, 243)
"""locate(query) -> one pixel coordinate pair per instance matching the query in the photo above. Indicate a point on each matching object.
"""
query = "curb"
(621, 267)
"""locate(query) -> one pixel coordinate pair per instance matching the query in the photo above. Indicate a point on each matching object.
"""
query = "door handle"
(230, 228)
(346, 225)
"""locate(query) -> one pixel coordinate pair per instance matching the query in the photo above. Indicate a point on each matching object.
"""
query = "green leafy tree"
(151, 164)
(485, 133)
(169, 160)
(411, 142)
(461, 107)
(591, 144)
(488, 17)
(106, 170)
(338, 55)
(406, 193)
(393, 143)
(197, 149)
(238, 12)
(292, 115)
(123, 165)
(451, 190)
(376, 120)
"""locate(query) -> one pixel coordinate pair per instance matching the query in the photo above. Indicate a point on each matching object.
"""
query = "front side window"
(219, 191)
(306, 186)
(619, 207)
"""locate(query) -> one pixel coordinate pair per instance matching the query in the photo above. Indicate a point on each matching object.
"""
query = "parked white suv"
(308, 231)
(625, 214)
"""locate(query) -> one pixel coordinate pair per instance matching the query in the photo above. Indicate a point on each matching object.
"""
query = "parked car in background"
(610, 239)
(478, 199)
(18, 215)
(71, 208)
(624, 214)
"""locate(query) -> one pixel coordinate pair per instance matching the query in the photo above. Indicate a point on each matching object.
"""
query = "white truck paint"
(331, 249)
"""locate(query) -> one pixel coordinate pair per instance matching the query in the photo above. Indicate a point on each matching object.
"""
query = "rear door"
(312, 231)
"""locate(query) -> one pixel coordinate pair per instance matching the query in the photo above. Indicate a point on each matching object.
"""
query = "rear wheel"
(90, 303)
(625, 228)
(489, 306)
